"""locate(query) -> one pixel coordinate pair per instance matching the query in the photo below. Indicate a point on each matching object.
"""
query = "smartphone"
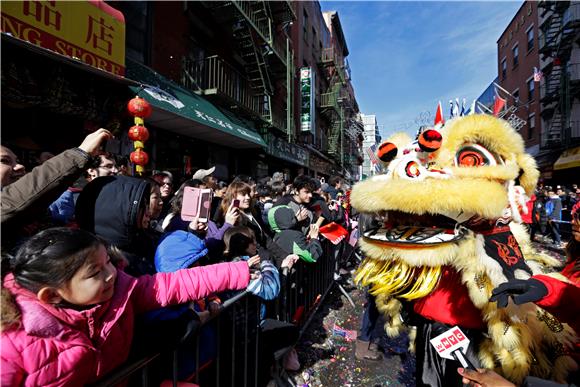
(205, 205)
(196, 204)
(236, 203)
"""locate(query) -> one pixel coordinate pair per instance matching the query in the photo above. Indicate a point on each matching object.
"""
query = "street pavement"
(326, 351)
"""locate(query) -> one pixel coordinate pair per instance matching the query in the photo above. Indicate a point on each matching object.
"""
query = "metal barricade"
(236, 351)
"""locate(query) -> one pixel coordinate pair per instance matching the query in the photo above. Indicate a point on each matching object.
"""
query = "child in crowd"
(68, 314)
(241, 245)
(284, 223)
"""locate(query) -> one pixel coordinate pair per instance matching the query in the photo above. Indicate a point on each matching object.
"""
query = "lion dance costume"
(449, 205)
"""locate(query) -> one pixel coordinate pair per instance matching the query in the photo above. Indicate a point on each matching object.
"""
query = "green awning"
(184, 112)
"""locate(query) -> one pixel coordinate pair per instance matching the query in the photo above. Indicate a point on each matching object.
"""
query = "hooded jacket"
(110, 207)
(292, 241)
(58, 346)
(178, 250)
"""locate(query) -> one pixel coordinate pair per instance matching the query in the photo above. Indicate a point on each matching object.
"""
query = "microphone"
(453, 344)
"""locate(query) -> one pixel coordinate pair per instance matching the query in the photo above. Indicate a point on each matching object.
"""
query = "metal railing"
(574, 71)
(262, 24)
(230, 349)
(571, 17)
(215, 76)
(328, 56)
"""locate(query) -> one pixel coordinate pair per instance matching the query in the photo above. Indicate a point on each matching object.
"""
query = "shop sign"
(282, 149)
(162, 95)
(224, 124)
(319, 165)
(307, 109)
(90, 31)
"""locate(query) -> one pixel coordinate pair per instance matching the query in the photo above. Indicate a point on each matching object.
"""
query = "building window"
(305, 25)
(530, 35)
(516, 53)
(314, 38)
(516, 95)
(531, 87)
(503, 69)
(531, 125)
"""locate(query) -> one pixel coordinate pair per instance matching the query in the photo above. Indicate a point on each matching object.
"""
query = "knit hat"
(178, 250)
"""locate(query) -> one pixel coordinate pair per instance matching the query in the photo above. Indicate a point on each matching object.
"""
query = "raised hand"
(93, 141)
(521, 291)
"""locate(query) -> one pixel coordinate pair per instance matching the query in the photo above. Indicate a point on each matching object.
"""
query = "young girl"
(68, 314)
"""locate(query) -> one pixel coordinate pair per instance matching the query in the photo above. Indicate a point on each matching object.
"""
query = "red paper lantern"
(138, 133)
(138, 107)
(139, 157)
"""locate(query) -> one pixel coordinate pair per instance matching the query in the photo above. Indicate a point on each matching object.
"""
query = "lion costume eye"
(474, 155)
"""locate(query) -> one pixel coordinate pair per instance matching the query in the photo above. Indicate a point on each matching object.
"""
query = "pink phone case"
(196, 204)
(190, 204)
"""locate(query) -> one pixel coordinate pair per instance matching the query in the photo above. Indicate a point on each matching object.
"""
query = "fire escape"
(559, 32)
(265, 69)
(332, 102)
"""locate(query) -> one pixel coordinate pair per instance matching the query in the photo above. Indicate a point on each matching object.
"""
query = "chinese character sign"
(90, 31)
(307, 90)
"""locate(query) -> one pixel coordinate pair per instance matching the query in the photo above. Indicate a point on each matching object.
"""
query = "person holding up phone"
(207, 229)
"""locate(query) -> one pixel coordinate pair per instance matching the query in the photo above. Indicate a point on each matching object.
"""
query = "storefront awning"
(570, 158)
(186, 113)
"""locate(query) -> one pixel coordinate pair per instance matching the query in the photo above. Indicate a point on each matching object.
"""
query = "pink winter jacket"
(57, 346)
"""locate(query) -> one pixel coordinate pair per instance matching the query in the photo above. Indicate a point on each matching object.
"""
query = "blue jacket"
(62, 210)
(554, 208)
(178, 250)
(267, 286)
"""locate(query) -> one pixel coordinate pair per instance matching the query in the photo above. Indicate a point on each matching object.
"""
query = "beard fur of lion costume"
(449, 206)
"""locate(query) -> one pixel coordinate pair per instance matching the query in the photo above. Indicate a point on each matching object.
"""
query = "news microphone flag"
(452, 344)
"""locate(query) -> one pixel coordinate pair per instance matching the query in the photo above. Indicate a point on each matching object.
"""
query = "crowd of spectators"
(107, 255)
(549, 211)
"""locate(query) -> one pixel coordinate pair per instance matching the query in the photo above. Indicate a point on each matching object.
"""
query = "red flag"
(498, 105)
(439, 115)
(333, 232)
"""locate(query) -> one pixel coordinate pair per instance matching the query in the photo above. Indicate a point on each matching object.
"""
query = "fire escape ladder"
(555, 129)
(554, 81)
(334, 138)
(255, 65)
(552, 35)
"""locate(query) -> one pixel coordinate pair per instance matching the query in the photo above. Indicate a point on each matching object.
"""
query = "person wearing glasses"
(104, 165)
(165, 180)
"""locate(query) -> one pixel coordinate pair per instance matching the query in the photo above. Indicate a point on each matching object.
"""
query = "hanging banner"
(307, 90)
(90, 31)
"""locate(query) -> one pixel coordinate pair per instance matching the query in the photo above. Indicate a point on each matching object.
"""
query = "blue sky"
(407, 56)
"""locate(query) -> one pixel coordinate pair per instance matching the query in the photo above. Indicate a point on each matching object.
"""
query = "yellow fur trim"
(562, 367)
(494, 134)
(412, 338)
(529, 179)
(436, 255)
(496, 172)
(397, 278)
(374, 195)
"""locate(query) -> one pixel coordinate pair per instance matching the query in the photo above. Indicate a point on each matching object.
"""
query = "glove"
(521, 291)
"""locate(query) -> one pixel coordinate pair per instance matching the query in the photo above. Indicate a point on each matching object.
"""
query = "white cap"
(201, 173)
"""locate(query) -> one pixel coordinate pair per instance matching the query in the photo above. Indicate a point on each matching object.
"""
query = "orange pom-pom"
(430, 140)
(387, 151)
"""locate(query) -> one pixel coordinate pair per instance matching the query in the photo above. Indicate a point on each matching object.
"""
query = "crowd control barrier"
(236, 346)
